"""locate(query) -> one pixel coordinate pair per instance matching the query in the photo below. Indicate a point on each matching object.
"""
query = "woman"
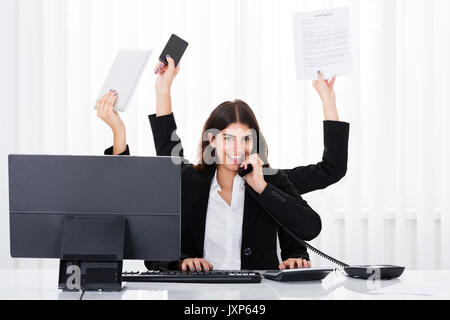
(209, 189)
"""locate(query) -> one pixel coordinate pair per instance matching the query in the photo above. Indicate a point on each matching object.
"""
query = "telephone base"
(375, 272)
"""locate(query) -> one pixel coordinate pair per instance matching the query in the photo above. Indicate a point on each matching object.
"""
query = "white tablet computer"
(124, 76)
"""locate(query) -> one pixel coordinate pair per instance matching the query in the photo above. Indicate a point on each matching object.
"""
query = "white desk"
(43, 284)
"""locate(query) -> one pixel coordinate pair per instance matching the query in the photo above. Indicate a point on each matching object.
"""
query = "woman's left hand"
(256, 178)
(295, 264)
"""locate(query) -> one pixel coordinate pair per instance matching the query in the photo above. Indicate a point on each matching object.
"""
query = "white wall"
(393, 206)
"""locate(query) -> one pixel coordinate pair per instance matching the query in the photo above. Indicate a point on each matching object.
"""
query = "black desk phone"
(375, 272)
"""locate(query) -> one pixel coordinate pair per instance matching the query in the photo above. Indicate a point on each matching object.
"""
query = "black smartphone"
(243, 172)
(175, 48)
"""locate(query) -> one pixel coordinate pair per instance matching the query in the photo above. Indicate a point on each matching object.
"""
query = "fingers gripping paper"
(323, 42)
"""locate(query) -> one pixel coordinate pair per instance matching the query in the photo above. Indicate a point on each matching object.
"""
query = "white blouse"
(223, 229)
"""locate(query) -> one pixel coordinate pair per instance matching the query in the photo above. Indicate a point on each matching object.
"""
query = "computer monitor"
(95, 211)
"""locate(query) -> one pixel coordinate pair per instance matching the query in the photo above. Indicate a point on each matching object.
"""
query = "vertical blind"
(394, 204)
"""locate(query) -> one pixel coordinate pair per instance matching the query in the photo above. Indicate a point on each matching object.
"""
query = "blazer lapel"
(250, 213)
(252, 209)
(199, 209)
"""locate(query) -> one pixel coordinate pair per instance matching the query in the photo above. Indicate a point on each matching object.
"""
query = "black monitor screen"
(145, 191)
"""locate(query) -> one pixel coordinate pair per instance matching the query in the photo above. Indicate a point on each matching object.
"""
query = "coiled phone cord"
(300, 241)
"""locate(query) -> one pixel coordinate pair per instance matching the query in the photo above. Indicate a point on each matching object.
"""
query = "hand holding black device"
(175, 48)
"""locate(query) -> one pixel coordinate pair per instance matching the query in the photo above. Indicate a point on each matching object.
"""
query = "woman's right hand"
(106, 112)
(166, 74)
(195, 264)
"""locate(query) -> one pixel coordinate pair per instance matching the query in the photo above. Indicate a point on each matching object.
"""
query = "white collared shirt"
(223, 228)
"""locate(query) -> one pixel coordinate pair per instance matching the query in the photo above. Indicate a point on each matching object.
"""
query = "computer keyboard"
(214, 276)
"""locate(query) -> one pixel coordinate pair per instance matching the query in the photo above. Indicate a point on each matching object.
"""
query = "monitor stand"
(92, 254)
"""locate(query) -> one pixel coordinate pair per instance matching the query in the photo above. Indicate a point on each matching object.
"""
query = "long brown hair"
(224, 115)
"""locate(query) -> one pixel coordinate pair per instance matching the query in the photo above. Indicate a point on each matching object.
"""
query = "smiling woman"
(232, 127)
(221, 227)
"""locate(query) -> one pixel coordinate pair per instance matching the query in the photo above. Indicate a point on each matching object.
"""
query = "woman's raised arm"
(325, 89)
(166, 74)
(167, 142)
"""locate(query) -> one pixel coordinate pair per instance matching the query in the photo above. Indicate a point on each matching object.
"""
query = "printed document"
(323, 42)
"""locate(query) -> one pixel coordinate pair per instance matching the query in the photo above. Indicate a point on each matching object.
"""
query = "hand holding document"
(323, 43)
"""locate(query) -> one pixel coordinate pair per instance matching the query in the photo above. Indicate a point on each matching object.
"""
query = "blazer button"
(248, 252)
